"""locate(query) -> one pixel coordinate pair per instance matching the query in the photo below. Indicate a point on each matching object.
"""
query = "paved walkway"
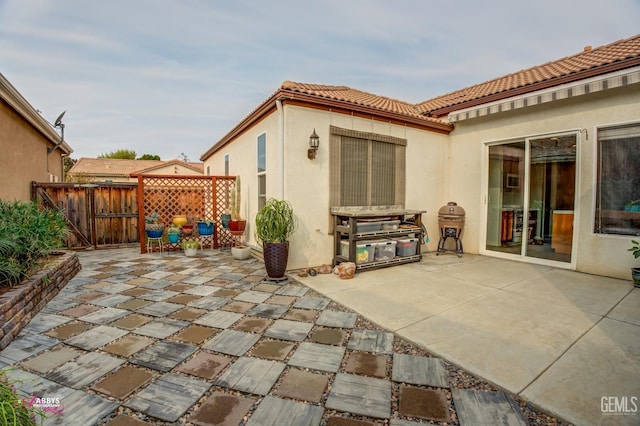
(161, 338)
(561, 339)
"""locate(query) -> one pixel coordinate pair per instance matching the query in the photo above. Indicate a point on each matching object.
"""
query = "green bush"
(27, 234)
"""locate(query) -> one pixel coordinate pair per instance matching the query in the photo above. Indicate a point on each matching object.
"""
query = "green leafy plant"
(236, 199)
(635, 249)
(173, 230)
(18, 411)
(275, 222)
(190, 245)
(27, 235)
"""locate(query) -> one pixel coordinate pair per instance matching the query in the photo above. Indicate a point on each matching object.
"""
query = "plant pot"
(187, 229)
(190, 252)
(173, 238)
(241, 253)
(180, 220)
(237, 225)
(224, 219)
(635, 276)
(205, 229)
(154, 232)
(276, 256)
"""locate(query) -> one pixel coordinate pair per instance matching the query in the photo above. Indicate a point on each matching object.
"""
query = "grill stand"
(447, 232)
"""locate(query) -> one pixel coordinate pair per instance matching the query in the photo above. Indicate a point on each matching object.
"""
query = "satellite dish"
(59, 119)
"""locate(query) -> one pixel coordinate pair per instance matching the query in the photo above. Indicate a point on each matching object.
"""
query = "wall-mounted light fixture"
(314, 143)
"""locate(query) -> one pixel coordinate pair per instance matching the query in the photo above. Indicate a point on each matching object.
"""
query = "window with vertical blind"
(618, 181)
(367, 169)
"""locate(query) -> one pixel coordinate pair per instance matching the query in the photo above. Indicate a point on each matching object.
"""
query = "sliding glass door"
(531, 197)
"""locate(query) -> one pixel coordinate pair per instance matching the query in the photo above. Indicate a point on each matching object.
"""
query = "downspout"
(280, 148)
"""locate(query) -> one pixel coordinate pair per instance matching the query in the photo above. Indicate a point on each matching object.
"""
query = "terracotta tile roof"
(588, 63)
(121, 167)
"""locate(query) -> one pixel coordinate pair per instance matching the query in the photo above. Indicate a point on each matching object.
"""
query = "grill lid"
(451, 209)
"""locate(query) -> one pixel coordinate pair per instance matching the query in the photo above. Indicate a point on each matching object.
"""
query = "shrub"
(27, 234)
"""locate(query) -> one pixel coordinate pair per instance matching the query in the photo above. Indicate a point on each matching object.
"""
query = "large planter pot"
(276, 256)
(187, 229)
(173, 238)
(635, 276)
(154, 231)
(237, 225)
(179, 220)
(241, 253)
(205, 228)
(190, 252)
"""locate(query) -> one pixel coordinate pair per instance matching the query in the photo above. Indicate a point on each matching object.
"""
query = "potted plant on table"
(205, 227)
(635, 272)
(173, 233)
(153, 227)
(190, 248)
(236, 223)
(275, 223)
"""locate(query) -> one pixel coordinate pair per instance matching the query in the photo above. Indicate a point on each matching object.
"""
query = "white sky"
(169, 77)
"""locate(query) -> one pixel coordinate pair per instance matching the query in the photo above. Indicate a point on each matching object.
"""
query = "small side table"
(152, 241)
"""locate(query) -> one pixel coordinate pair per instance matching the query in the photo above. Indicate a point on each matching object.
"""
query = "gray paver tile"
(169, 397)
(276, 411)
(268, 310)
(337, 319)
(253, 296)
(419, 370)
(158, 295)
(161, 327)
(117, 287)
(104, 316)
(204, 290)
(159, 309)
(196, 280)
(81, 408)
(289, 330)
(232, 342)
(312, 303)
(31, 384)
(111, 300)
(157, 275)
(209, 302)
(96, 337)
(157, 285)
(371, 341)
(486, 408)
(84, 370)
(52, 359)
(44, 322)
(24, 347)
(292, 290)
(164, 355)
(251, 375)
(360, 395)
(318, 357)
(219, 319)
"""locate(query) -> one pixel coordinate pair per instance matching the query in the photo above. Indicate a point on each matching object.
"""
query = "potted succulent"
(187, 228)
(173, 233)
(153, 227)
(275, 222)
(635, 272)
(190, 248)
(205, 227)
(236, 223)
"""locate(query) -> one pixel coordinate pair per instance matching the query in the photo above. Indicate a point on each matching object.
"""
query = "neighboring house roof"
(589, 63)
(14, 99)
(124, 168)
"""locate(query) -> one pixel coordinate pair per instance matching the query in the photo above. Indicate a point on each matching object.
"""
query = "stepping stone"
(80, 310)
(187, 314)
(239, 307)
(205, 365)
(253, 324)
(232, 342)
(157, 275)
(251, 375)
(26, 346)
(276, 411)
(164, 355)
(303, 385)
(222, 409)
(218, 319)
(88, 297)
(159, 309)
(179, 287)
(281, 300)
(104, 316)
(157, 284)
(486, 408)
(367, 364)
(341, 421)
(133, 304)
(131, 322)
(252, 296)
(159, 295)
(68, 330)
(228, 292)
(161, 328)
(425, 404)
(419, 370)
(124, 420)
(96, 337)
(231, 277)
(44, 322)
(183, 299)
(360, 395)
(318, 357)
(318, 303)
(82, 408)
(196, 280)
(210, 303)
(169, 397)
(306, 315)
(136, 292)
(328, 336)
(204, 290)
(371, 341)
(292, 290)
(337, 319)
(123, 382)
(268, 310)
(195, 334)
(268, 288)
(118, 287)
(289, 330)
(51, 359)
(111, 300)
(84, 370)
(128, 345)
(272, 349)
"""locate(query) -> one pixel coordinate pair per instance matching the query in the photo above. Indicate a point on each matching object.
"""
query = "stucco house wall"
(595, 253)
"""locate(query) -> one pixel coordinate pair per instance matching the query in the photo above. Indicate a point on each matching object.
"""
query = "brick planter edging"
(22, 302)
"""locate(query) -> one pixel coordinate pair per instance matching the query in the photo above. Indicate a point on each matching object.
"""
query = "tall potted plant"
(236, 223)
(635, 272)
(275, 222)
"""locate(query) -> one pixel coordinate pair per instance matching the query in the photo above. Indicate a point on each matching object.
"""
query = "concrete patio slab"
(84, 370)
(337, 319)
(486, 408)
(219, 319)
(222, 409)
(371, 341)
(267, 310)
(163, 355)
(318, 357)
(419, 370)
(95, 337)
(26, 346)
(627, 310)
(161, 328)
(81, 408)
(251, 375)
(361, 395)
(232, 342)
(204, 365)
(289, 330)
(428, 404)
(276, 411)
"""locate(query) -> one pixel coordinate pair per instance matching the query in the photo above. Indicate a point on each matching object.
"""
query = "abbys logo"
(621, 405)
